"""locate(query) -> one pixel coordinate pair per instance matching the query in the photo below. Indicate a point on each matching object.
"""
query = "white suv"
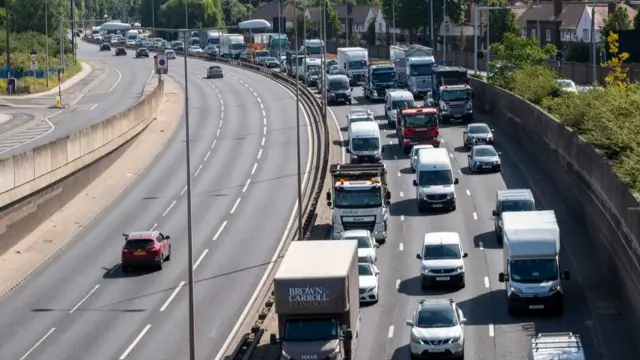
(442, 260)
(437, 330)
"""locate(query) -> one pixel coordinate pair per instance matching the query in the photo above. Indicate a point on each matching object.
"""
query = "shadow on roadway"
(90, 310)
(407, 171)
(486, 240)
(408, 207)
(460, 149)
(392, 135)
(401, 353)
(411, 287)
(341, 143)
(116, 272)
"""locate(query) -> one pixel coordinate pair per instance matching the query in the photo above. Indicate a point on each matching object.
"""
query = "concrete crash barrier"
(28, 180)
(606, 206)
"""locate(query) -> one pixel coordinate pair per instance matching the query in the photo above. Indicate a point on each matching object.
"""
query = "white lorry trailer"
(531, 253)
(232, 45)
(314, 48)
(557, 346)
(359, 199)
(418, 74)
(354, 61)
(399, 55)
(317, 300)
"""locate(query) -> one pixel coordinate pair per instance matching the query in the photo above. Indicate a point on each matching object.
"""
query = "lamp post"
(6, 29)
(300, 235)
(433, 36)
(393, 21)
(444, 37)
(46, 46)
(593, 42)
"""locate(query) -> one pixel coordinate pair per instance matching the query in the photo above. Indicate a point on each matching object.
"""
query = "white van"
(311, 69)
(365, 146)
(396, 99)
(435, 180)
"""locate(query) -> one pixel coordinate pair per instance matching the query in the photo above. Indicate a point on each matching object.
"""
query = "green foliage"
(235, 11)
(501, 22)
(371, 32)
(516, 53)
(534, 83)
(414, 14)
(579, 52)
(354, 39)
(21, 45)
(201, 14)
(29, 15)
(636, 21)
(334, 26)
(616, 22)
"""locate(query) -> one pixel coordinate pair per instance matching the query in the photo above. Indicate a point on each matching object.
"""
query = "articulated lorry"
(354, 61)
(557, 346)
(359, 199)
(399, 55)
(317, 300)
(531, 260)
(379, 78)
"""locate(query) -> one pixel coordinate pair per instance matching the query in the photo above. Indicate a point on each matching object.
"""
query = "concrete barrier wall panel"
(7, 175)
(42, 160)
(24, 168)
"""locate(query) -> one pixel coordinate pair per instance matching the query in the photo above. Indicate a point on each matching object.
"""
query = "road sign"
(162, 65)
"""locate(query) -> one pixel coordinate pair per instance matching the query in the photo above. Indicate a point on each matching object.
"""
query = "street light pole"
(444, 30)
(537, 25)
(153, 17)
(300, 235)
(6, 28)
(593, 42)
(46, 46)
(393, 11)
(324, 54)
(433, 36)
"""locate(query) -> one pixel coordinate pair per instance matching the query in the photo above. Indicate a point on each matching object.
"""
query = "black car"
(477, 134)
(142, 52)
(483, 158)
(121, 51)
(105, 47)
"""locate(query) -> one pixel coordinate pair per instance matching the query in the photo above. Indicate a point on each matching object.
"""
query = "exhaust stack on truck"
(317, 300)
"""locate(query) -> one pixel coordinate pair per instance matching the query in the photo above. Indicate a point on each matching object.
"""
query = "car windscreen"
(365, 144)
(456, 95)
(421, 70)
(517, 205)
(435, 178)
(384, 76)
(436, 318)
(441, 252)
(363, 241)
(420, 120)
(484, 152)
(358, 199)
(533, 270)
(338, 84)
(139, 244)
(401, 104)
(479, 129)
(365, 270)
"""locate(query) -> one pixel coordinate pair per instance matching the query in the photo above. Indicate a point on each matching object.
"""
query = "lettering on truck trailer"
(309, 297)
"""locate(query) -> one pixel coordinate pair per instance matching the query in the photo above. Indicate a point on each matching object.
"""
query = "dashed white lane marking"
(154, 227)
(390, 142)
(475, 216)
(259, 153)
(204, 253)
(173, 295)
(486, 282)
(255, 166)
(263, 140)
(215, 237)
(401, 217)
(399, 174)
(218, 132)
(397, 284)
(401, 194)
(246, 185)
(451, 155)
(207, 156)
(264, 130)
(468, 192)
(390, 331)
(184, 189)
(235, 206)
(84, 299)
(197, 171)
(169, 208)
(491, 330)
(264, 113)
(481, 245)
(135, 342)
(38, 343)
(395, 157)
(214, 143)
(401, 247)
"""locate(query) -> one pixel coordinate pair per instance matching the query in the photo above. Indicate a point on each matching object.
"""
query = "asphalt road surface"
(490, 332)
(82, 306)
(119, 87)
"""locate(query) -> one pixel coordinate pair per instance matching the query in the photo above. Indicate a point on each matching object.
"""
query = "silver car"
(437, 330)
(367, 245)
(413, 157)
(484, 158)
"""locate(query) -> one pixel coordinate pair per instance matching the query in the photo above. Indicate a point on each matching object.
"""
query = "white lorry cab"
(435, 180)
(232, 45)
(419, 71)
(365, 145)
(314, 48)
(311, 71)
(354, 61)
(396, 99)
(531, 249)
(557, 346)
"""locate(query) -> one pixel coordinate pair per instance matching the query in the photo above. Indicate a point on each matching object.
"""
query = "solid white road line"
(246, 185)
(93, 107)
(117, 81)
(235, 206)
(215, 237)
(486, 282)
(38, 343)
(169, 208)
(390, 331)
(173, 294)
(204, 253)
(84, 299)
(135, 342)
(491, 330)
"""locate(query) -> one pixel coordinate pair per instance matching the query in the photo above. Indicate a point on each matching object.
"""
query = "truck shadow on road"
(412, 287)
(407, 207)
(486, 240)
(115, 272)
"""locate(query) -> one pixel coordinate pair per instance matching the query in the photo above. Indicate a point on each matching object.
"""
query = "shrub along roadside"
(21, 46)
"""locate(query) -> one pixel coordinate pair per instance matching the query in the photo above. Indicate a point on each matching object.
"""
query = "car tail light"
(126, 251)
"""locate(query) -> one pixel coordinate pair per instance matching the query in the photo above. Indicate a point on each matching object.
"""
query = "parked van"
(365, 146)
(435, 180)
(396, 99)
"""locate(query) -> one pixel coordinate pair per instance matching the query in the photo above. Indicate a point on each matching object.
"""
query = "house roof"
(268, 11)
(359, 13)
(570, 15)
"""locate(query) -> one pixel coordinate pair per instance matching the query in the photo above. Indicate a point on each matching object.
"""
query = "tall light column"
(300, 234)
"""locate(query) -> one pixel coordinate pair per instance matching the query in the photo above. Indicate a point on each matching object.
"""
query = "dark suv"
(142, 52)
(121, 51)
(105, 47)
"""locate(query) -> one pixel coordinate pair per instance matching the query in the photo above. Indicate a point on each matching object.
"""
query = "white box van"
(435, 180)
(396, 99)
(365, 146)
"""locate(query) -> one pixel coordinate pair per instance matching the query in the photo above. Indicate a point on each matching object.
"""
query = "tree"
(235, 11)
(516, 52)
(334, 26)
(501, 22)
(617, 76)
(636, 21)
(28, 15)
(371, 32)
(148, 11)
(413, 15)
(616, 22)
(201, 13)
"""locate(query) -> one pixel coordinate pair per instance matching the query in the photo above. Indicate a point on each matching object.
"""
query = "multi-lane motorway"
(490, 332)
(82, 306)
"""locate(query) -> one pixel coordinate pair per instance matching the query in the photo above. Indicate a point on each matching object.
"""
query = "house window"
(565, 35)
(547, 35)
(523, 31)
(533, 34)
(379, 27)
(585, 35)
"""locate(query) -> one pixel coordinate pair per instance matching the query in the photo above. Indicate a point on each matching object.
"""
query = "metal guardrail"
(312, 193)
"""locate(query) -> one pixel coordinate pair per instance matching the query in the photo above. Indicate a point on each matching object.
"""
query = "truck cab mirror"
(415, 183)
(469, 156)
(347, 335)
(347, 150)
(463, 320)
(376, 245)
(539, 209)
(167, 237)
(418, 256)
(351, 89)
(329, 203)
(387, 195)
(409, 323)
(465, 255)
(273, 339)
(388, 108)
(502, 277)
(387, 202)
(382, 149)
(328, 195)
(566, 275)
(494, 213)
(493, 130)
(456, 181)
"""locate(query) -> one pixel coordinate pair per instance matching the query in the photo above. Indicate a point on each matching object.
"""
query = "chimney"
(611, 8)
(557, 8)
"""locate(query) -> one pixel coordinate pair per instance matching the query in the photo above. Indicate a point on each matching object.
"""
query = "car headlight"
(371, 288)
(469, 106)
(555, 288)
(516, 290)
(455, 339)
(285, 356)
(460, 268)
(451, 196)
(416, 340)
(424, 268)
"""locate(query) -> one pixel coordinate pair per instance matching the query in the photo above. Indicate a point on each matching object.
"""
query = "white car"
(442, 260)
(170, 54)
(367, 245)
(437, 328)
(194, 49)
(97, 37)
(566, 85)
(361, 112)
(413, 157)
(131, 42)
(368, 280)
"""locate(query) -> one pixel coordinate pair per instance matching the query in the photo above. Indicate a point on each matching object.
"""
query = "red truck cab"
(419, 126)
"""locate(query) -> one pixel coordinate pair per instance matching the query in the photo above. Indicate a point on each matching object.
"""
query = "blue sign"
(162, 62)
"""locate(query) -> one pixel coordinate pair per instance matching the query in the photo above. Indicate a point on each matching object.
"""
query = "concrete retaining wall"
(606, 205)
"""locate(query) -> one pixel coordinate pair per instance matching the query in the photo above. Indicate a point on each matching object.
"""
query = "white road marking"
(255, 166)
(337, 124)
(38, 343)
(399, 174)
(259, 153)
(468, 192)
(135, 342)
(260, 101)
(401, 194)
(264, 130)
(481, 245)
(390, 331)
(401, 247)
(264, 113)
(491, 330)
(451, 155)
(235, 206)
(208, 154)
(197, 171)
(117, 81)
(215, 237)
(173, 295)
(475, 216)
(214, 143)
(183, 191)
(169, 208)
(401, 217)
(221, 115)
(204, 253)
(395, 157)
(153, 227)
(246, 185)
(84, 299)
(486, 282)
(93, 107)
(218, 132)
(264, 121)
(390, 142)
(263, 140)
(398, 284)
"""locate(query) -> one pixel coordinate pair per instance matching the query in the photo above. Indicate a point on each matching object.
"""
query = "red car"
(145, 248)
